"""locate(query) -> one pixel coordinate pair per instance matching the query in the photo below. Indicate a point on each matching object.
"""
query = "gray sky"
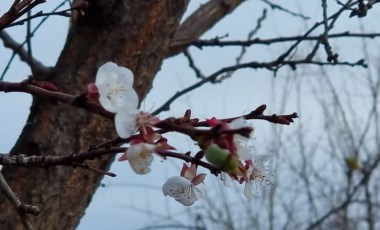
(131, 201)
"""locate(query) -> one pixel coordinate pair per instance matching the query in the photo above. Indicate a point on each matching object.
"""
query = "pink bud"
(123, 157)
(46, 85)
(189, 172)
(92, 93)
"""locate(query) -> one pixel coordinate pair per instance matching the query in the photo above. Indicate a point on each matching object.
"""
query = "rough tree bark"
(135, 34)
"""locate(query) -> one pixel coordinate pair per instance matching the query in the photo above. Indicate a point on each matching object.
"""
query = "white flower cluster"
(116, 95)
(115, 86)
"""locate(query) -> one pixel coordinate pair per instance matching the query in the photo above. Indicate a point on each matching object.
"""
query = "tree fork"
(134, 34)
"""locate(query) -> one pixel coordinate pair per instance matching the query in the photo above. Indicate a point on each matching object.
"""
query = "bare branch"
(8, 42)
(278, 7)
(22, 160)
(331, 57)
(243, 51)
(33, 89)
(63, 13)
(31, 35)
(273, 66)
(22, 209)
(197, 71)
(269, 41)
(192, 28)
(18, 9)
(367, 173)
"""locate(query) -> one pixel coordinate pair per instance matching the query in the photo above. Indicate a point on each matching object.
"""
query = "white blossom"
(186, 188)
(256, 173)
(241, 143)
(114, 84)
(182, 190)
(116, 94)
(140, 157)
(125, 123)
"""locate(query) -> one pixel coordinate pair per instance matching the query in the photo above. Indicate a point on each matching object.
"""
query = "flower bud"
(221, 158)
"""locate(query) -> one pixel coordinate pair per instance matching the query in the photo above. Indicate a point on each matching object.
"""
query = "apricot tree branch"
(35, 90)
(18, 9)
(22, 209)
(22, 160)
(63, 13)
(258, 41)
(8, 42)
(199, 22)
(272, 66)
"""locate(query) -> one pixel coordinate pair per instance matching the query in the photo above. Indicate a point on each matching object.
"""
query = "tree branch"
(22, 209)
(78, 101)
(8, 42)
(18, 9)
(257, 41)
(278, 7)
(273, 66)
(199, 22)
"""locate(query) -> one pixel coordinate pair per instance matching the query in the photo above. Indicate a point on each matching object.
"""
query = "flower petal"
(123, 157)
(242, 149)
(125, 123)
(198, 179)
(189, 172)
(140, 157)
(248, 189)
(189, 200)
(226, 179)
(200, 193)
(112, 70)
(115, 97)
(180, 189)
(258, 161)
(114, 84)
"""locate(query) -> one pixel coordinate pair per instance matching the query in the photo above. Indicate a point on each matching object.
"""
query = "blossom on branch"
(240, 142)
(184, 188)
(229, 150)
(232, 153)
(116, 94)
(125, 123)
(115, 86)
(256, 172)
(140, 154)
(140, 157)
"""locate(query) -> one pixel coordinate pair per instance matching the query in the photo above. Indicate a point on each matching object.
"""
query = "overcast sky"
(131, 201)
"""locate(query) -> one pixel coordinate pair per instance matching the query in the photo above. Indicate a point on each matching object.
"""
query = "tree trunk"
(135, 34)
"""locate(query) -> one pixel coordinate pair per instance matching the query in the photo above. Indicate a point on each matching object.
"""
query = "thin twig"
(366, 176)
(269, 41)
(273, 66)
(278, 7)
(331, 57)
(17, 10)
(22, 160)
(243, 50)
(192, 28)
(93, 169)
(39, 68)
(63, 13)
(197, 71)
(24, 42)
(22, 209)
(78, 101)
(28, 40)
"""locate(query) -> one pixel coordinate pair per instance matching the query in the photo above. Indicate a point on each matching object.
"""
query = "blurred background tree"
(325, 175)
